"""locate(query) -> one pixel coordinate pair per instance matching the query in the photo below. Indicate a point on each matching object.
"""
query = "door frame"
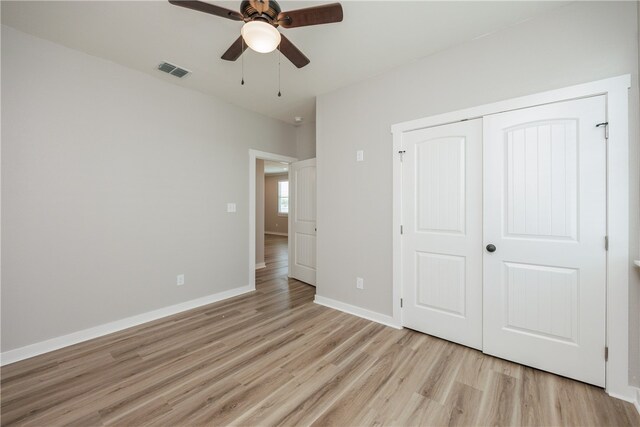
(616, 90)
(253, 156)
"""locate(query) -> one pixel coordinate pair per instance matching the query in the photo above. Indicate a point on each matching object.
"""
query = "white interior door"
(442, 231)
(302, 221)
(545, 213)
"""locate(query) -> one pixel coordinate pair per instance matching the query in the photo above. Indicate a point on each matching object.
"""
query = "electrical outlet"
(180, 280)
(359, 283)
(360, 156)
(231, 207)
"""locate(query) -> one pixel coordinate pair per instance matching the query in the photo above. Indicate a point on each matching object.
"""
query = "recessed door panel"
(541, 301)
(305, 250)
(440, 183)
(541, 176)
(440, 283)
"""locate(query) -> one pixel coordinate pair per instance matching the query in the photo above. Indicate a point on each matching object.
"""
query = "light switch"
(231, 207)
(360, 156)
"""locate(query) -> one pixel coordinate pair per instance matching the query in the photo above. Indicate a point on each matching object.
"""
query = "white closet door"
(442, 232)
(302, 221)
(545, 213)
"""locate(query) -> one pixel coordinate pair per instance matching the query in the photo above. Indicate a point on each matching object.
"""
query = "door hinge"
(401, 152)
(606, 243)
(400, 302)
(401, 230)
(606, 354)
(606, 129)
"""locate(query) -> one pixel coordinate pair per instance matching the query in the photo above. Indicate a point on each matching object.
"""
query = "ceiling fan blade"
(209, 8)
(324, 14)
(235, 50)
(294, 55)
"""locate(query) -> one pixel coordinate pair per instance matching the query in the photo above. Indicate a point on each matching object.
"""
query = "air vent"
(174, 70)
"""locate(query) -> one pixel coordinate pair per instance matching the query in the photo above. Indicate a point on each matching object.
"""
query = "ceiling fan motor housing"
(270, 15)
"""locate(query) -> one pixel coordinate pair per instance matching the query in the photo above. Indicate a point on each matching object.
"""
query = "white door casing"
(545, 212)
(302, 221)
(442, 231)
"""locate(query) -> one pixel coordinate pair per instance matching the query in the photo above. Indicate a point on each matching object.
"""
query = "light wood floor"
(273, 357)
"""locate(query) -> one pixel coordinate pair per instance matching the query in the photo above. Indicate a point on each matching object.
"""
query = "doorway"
(284, 247)
(272, 220)
(256, 209)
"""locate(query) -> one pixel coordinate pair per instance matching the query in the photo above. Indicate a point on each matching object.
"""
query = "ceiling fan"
(262, 18)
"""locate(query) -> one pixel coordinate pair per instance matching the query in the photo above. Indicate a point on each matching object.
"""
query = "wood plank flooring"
(273, 357)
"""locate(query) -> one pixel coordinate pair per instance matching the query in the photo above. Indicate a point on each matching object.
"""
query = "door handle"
(491, 247)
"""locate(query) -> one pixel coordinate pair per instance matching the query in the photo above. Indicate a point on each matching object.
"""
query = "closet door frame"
(616, 90)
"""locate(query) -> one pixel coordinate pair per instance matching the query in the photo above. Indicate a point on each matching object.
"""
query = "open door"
(302, 221)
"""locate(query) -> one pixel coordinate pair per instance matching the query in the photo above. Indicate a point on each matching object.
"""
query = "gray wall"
(306, 141)
(259, 211)
(274, 223)
(114, 182)
(634, 330)
(577, 43)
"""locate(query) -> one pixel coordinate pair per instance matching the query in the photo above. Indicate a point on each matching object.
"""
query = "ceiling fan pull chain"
(242, 82)
(279, 56)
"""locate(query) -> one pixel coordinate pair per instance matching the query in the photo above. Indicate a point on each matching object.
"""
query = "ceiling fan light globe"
(260, 36)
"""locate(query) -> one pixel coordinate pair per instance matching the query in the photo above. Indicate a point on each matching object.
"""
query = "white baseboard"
(357, 311)
(275, 233)
(260, 265)
(633, 396)
(52, 344)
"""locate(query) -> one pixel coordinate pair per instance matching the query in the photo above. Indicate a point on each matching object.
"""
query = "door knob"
(491, 247)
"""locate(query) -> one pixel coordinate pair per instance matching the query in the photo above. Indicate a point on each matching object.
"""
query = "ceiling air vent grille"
(174, 70)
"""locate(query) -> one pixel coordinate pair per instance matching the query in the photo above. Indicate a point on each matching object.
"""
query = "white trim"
(261, 265)
(253, 156)
(617, 91)
(618, 261)
(600, 87)
(357, 311)
(52, 344)
(635, 401)
(275, 233)
(290, 241)
(396, 291)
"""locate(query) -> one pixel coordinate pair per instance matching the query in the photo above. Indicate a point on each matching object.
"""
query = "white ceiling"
(271, 168)
(374, 36)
